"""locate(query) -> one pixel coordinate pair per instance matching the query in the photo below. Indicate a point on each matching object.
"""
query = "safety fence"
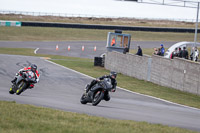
(86, 15)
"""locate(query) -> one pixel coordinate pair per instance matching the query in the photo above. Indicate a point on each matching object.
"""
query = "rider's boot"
(106, 96)
(14, 80)
(31, 86)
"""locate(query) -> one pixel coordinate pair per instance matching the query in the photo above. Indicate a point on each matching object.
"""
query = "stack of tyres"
(98, 61)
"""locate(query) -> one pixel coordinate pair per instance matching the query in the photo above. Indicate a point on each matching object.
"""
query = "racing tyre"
(98, 96)
(11, 91)
(83, 99)
(22, 87)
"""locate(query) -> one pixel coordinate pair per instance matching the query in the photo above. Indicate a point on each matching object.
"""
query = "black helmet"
(33, 67)
(113, 74)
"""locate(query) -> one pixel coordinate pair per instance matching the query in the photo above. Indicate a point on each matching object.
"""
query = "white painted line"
(126, 89)
(36, 50)
(70, 69)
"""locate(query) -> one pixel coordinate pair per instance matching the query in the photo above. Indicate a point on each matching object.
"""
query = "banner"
(10, 23)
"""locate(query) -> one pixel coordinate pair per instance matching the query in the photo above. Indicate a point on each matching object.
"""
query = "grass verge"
(66, 34)
(86, 66)
(20, 118)
(93, 20)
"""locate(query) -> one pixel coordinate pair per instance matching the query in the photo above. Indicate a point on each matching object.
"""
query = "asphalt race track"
(61, 88)
(76, 47)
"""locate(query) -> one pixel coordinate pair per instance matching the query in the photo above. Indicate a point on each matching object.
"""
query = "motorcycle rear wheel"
(98, 96)
(21, 89)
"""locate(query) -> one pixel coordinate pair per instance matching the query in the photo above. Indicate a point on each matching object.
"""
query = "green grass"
(86, 66)
(134, 84)
(66, 34)
(20, 118)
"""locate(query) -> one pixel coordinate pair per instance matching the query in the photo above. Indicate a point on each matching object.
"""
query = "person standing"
(180, 52)
(139, 52)
(196, 54)
(155, 51)
(162, 49)
(113, 42)
(174, 53)
(184, 53)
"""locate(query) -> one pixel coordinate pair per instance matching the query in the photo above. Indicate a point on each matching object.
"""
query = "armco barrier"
(178, 73)
(10, 23)
(107, 27)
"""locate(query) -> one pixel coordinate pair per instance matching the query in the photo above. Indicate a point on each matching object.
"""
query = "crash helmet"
(113, 74)
(33, 68)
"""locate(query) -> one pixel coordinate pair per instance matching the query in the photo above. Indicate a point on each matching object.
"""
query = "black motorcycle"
(97, 92)
(22, 83)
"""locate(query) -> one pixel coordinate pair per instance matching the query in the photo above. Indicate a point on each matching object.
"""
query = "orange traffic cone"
(68, 48)
(95, 48)
(57, 47)
(83, 48)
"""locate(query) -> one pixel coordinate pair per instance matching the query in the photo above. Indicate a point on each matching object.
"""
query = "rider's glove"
(21, 73)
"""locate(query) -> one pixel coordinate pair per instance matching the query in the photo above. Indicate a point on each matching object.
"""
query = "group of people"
(178, 52)
(159, 51)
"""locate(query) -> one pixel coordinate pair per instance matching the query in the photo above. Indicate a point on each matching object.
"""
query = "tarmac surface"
(76, 47)
(61, 88)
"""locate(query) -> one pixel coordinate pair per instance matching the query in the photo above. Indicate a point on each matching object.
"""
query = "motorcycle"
(23, 82)
(97, 92)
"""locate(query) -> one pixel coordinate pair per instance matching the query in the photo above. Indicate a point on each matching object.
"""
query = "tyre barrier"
(108, 27)
(98, 61)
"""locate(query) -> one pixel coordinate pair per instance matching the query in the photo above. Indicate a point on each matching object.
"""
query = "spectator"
(195, 54)
(125, 50)
(179, 52)
(192, 54)
(174, 53)
(139, 52)
(159, 52)
(155, 51)
(184, 53)
(162, 49)
(113, 42)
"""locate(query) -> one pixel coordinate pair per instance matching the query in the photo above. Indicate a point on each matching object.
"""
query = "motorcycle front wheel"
(98, 96)
(83, 99)
(11, 90)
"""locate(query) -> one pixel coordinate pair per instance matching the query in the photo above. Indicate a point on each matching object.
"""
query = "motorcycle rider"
(32, 68)
(112, 76)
